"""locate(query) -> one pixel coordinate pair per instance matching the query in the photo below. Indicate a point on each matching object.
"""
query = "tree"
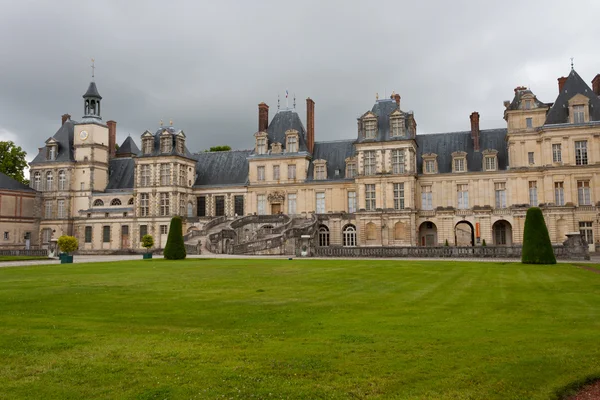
(147, 242)
(483, 243)
(537, 248)
(175, 248)
(220, 148)
(67, 244)
(12, 161)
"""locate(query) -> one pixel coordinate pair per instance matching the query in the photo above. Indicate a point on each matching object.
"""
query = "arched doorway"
(464, 235)
(502, 233)
(428, 234)
(349, 236)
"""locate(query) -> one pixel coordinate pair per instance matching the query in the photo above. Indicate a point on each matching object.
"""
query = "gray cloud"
(208, 64)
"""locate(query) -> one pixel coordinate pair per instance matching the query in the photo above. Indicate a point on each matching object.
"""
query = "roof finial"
(376, 95)
(278, 102)
(161, 122)
(572, 63)
(93, 68)
(171, 122)
(294, 101)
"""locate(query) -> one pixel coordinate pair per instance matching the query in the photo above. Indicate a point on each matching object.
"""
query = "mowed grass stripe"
(296, 329)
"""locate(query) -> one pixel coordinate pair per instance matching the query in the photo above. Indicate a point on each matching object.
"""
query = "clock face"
(83, 135)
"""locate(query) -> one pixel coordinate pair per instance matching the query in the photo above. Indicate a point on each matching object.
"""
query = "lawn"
(21, 258)
(296, 329)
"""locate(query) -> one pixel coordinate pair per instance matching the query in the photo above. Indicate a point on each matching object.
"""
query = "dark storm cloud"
(207, 64)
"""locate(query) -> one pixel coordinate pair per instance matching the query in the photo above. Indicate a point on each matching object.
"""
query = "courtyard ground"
(278, 328)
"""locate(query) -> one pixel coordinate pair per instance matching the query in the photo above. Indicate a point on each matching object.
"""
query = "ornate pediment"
(276, 197)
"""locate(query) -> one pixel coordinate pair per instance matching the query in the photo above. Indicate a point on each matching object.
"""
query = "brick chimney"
(397, 98)
(65, 118)
(475, 129)
(112, 138)
(263, 117)
(310, 124)
(561, 83)
(596, 85)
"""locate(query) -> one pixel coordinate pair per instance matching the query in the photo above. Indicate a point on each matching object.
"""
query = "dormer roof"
(574, 85)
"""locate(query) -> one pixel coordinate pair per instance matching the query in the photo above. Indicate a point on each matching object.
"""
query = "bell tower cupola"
(91, 98)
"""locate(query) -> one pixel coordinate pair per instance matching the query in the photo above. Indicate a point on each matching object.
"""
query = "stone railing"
(260, 219)
(194, 248)
(30, 252)
(259, 245)
(213, 222)
(191, 234)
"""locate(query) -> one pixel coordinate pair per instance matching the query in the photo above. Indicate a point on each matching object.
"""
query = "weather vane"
(161, 122)
(93, 68)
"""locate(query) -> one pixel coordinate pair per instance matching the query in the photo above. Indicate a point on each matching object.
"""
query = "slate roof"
(283, 121)
(92, 91)
(444, 144)
(222, 168)
(574, 85)
(335, 153)
(64, 137)
(120, 172)
(156, 151)
(382, 109)
(128, 147)
(8, 183)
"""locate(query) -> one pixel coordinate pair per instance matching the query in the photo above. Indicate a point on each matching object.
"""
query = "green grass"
(21, 258)
(296, 329)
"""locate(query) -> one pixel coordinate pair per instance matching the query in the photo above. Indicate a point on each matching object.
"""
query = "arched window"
(62, 180)
(130, 202)
(349, 236)
(323, 236)
(37, 181)
(98, 203)
(49, 180)
(371, 231)
(115, 202)
(399, 231)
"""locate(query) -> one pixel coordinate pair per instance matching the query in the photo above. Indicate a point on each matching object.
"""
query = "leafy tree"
(147, 242)
(537, 248)
(446, 244)
(175, 248)
(220, 148)
(12, 161)
(67, 244)
(483, 243)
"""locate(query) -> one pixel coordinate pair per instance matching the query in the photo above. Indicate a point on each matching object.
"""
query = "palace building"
(387, 186)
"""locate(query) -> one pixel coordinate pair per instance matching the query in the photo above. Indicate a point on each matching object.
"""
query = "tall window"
(145, 175)
(292, 144)
(370, 202)
(320, 171)
(106, 234)
(490, 163)
(49, 180)
(463, 196)
(399, 196)
(219, 206)
(37, 181)
(260, 173)
(143, 231)
(533, 197)
(578, 115)
(459, 165)
(398, 161)
(51, 153)
(275, 172)
(323, 236)
(370, 128)
(426, 198)
(529, 122)
(587, 232)
(165, 174)
(182, 206)
(48, 209)
(166, 144)
(430, 166)
(583, 193)
(62, 211)
(144, 204)
(351, 170)
(201, 206)
(163, 229)
(261, 146)
(500, 188)
(262, 204)
(182, 175)
(581, 156)
(238, 204)
(320, 202)
(396, 126)
(164, 204)
(148, 144)
(351, 202)
(530, 158)
(180, 146)
(88, 234)
(557, 153)
(291, 203)
(559, 194)
(291, 171)
(46, 235)
(62, 180)
(349, 236)
(370, 166)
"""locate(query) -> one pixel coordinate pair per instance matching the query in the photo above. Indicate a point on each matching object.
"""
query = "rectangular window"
(48, 209)
(165, 174)
(559, 194)
(396, 125)
(370, 166)
(182, 176)
(399, 196)
(463, 196)
(88, 234)
(145, 177)
(148, 145)
(370, 203)
(351, 202)
(527, 104)
(426, 198)
(370, 129)
(430, 166)
(143, 231)
(6, 235)
(320, 171)
(557, 153)
(62, 212)
(262, 204)
(46, 235)
(180, 146)
(578, 115)
(82, 186)
(219, 206)
(533, 198)
(292, 144)
(182, 206)
(166, 144)
(292, 203)
(584, 194)
(351, 170)
(261, 146)
(587, 232)
(500, 189)
(165, 206)
(490, 163)
(291, 171)
(398, 161)
(459, 165)
(106, 234)
(238, 203)
(260, 173)
(275, 172)
(530, 158)
(581, 157)
(320, 203)
(164, 230)
(144, 204)
(529, 122)
(201, 210)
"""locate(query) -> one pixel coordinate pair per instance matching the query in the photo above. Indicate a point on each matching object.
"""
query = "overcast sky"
(207, 64)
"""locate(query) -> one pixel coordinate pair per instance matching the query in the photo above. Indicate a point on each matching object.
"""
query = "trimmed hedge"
(175, 248)
(537, 248)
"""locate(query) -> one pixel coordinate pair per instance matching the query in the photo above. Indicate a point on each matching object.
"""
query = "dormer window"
(578, 114)
(320, 169)
(370, 128)
(147, 145)
(166, 143)
(528, 104)
(490, 160)
(350, 168)
(459, 161)
(180, 144)
(276, 148)
(51, 150)
(430, 163)
(396, 124)
(261, 143)
(291, 138)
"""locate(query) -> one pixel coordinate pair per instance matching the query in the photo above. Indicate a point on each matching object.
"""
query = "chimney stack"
(112, 138)
(397, 98)
(475, 129)
(310, 124)
(596, 85)
(561, 83)
(65, 118)
(263, 117)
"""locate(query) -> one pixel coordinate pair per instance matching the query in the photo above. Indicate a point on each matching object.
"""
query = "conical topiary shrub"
(537, 248)
(175, 248)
